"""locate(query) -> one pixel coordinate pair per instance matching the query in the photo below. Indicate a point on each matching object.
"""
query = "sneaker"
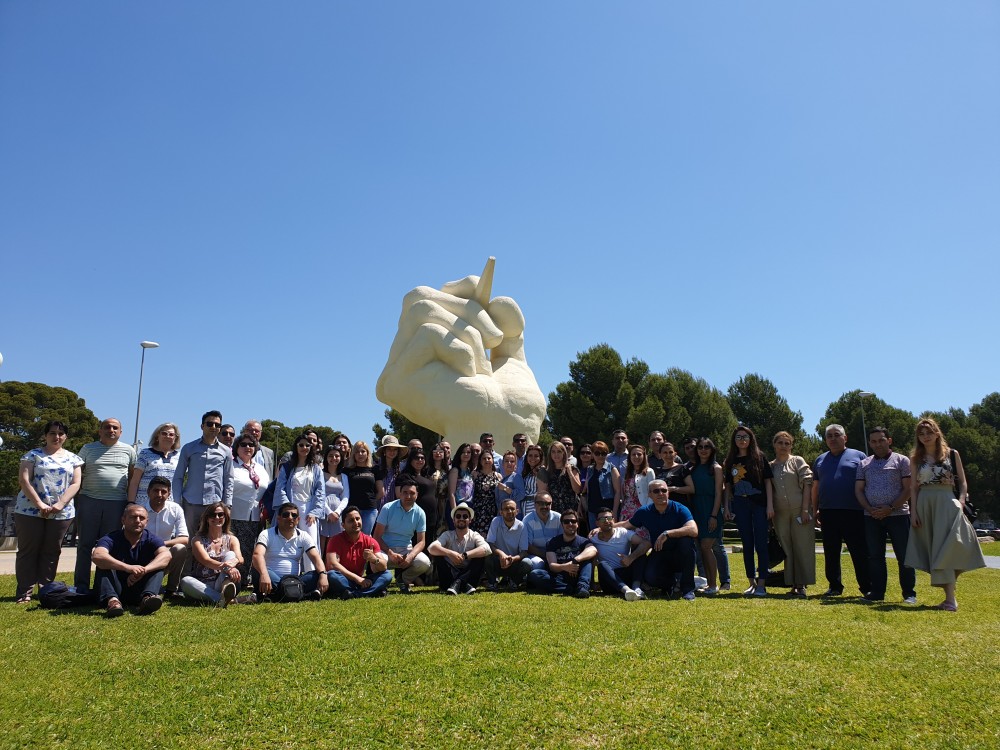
(404, 588)
(639, 593)
(751, 590)
(150, 604)
(799, 593)
(630, 595)
(470, 589)
(582, 594)
(688, 597)
(250, 598)
(512, 586)
(314, 596)
(492, 587)
(700, 582)
(833, 592)
(760, 591)
(711, 591)
(451, 591)
(726, 587)
(910, 600)
(869, 599)
(115, 608)
(228, 594)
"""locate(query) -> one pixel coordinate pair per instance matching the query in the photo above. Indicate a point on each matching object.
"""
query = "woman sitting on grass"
(215, 576)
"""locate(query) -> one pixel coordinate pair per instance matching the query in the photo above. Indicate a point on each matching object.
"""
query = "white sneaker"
(700, 582)
(710, 591)
(630, 595)
(910, 600)
(639, 593)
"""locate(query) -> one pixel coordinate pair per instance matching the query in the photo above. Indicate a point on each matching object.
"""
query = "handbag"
(968, 509)
(289, 589)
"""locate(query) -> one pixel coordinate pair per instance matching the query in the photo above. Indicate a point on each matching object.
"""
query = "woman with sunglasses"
(215, 573)
(158, 460)
(49, 477)
(440, 466)
(705, 475)
(300, 481)
(943, 542)
(792, 519)
(250, 480)
(603, 487)
(750, 500)
(361, 484)
(530, 476)
(338, 493)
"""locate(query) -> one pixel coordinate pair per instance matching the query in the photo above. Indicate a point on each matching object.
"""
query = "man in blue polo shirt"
(673, 532)
(836, 510)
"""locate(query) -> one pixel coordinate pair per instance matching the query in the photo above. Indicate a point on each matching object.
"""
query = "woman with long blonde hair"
(943, 542)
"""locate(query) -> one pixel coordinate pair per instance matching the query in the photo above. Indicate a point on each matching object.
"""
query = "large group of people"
(221, 520)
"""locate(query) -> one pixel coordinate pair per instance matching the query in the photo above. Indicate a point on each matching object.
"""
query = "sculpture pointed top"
(485, 286)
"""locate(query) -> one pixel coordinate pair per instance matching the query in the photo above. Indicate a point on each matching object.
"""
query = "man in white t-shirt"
(621, 557)
(460, 554)
(279, 552)
(166, 520)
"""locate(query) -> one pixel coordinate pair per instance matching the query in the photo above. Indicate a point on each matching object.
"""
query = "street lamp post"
(138, 404)
(864, 395)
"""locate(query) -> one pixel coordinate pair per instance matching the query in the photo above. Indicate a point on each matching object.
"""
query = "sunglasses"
(462, 516)
(246, 445)
(214, 425)
(742, 438)
(289, 514)
(658, 491)
(219, 514)
(602, 519)
(600, 453)
(569, 521)
(227, 433)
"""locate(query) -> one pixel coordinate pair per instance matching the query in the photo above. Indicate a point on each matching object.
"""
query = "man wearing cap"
(540, 526)
(460, 554)
(569, 561)
(398, 523)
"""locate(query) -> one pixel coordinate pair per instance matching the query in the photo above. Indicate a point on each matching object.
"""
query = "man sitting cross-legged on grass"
(621, 557)
(570, 562)
(130, 564)
(460, 554)
(279, 551)
(348, 553)
(398, 524)
(540, 525)
(504, 538)
(673, 531)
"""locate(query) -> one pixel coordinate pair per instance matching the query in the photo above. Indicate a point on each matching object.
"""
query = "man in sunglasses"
(279, 552)
(569, 559)
(673, 532)
(621, 557)
(460, 554)
(204, 473)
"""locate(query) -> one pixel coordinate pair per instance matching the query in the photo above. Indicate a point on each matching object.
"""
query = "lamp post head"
(148, 344)
(865, 394)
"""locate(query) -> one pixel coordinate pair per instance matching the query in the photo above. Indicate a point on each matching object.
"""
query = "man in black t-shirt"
(569, 562)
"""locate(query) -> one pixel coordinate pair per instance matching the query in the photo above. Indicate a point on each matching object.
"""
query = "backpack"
(57, 595)
(289, 589)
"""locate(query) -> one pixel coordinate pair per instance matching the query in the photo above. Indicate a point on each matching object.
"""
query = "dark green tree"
(757, 404)
(405, 430)
(846, 411)
(24, 410)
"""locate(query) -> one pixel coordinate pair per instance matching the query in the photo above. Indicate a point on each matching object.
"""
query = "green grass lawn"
(993, 548)
(510, 671)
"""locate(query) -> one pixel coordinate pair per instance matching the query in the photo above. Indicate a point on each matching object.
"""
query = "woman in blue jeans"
(750, 500)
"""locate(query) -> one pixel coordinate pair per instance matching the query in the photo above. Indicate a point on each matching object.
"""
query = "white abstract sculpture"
(457, 364)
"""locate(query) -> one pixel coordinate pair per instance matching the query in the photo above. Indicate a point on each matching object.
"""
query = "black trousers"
(845, 527)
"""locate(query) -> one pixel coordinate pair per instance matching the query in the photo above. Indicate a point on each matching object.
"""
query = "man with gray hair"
(100, 504)
(836, 510)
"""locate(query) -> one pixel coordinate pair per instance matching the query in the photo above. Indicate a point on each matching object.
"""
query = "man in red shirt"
(348, 553)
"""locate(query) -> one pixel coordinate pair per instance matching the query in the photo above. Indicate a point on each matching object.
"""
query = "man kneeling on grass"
(460, 554)
(672, 529)
(348, 553)
(278, 553)
(569, 558)
(130, 564)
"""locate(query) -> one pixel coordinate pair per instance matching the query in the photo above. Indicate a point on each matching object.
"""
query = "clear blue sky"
(808, 191)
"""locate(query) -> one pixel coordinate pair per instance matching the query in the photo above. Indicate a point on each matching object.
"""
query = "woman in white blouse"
(250, 480)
